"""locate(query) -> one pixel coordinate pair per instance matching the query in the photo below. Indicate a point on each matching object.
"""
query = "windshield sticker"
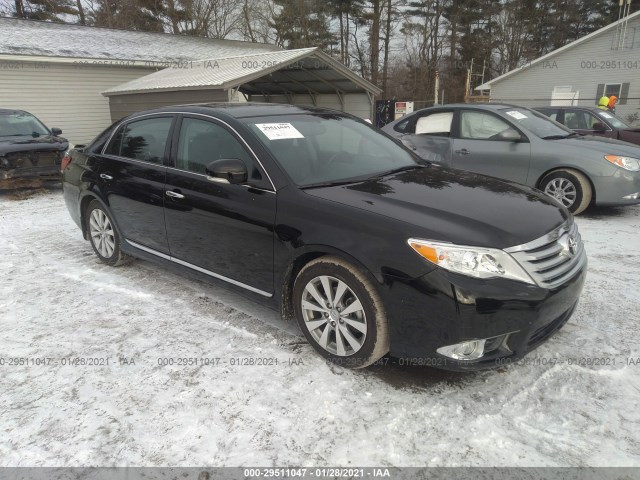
(517, 115)
(605, 115)
(279, 131)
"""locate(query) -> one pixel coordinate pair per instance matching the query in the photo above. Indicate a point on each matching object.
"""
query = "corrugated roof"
(305, 70)
(34, 38)
(568, 46)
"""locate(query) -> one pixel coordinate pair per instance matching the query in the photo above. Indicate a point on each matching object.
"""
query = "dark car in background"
(318, 213)
(593, 121)
(28, 149)
(525, 146)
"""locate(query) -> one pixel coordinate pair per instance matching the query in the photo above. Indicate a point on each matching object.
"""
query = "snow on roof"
(568, 46)
(35, 38)
(302, 75)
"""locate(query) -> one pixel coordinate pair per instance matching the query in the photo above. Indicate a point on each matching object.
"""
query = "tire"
(103, 236)
(569, 187)
(341, 330)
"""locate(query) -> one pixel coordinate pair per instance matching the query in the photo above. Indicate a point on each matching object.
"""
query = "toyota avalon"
(371, 249)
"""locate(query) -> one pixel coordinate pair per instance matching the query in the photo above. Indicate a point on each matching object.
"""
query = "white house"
(605, 62)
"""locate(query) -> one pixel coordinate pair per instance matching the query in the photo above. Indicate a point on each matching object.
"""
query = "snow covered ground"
(57, 303)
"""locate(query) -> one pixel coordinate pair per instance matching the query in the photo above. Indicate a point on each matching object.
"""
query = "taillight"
(66, 160)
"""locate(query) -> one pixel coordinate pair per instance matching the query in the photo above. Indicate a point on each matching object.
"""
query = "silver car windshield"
(536, 123)
(320, 149)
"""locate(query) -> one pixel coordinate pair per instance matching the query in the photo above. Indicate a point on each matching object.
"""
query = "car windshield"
(21, 124)
(536, 123)
(324, 148)
(614, 121)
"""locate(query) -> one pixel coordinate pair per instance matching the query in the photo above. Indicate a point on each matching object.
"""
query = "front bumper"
(443, 308)
(46, 172)
(612, 190)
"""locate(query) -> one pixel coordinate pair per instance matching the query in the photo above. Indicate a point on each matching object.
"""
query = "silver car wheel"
(562, 190)
(102, 234)
(334, 316)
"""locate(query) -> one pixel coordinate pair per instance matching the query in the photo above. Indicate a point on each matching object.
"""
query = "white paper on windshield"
(517, 115)
(279, 131)
(605, 115)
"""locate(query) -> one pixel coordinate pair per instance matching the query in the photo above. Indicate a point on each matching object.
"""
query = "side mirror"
(56, 131)
(599, 127)
(509, 135)
(227, 170)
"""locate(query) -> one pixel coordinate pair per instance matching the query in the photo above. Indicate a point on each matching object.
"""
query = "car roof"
(477, 106)
(566, 107)
(11, 111)
(243, 110)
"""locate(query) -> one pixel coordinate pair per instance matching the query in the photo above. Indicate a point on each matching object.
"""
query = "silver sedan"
(524, 146)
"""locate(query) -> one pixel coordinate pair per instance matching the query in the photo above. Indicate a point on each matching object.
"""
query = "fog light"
(633, 196)
(469, 350)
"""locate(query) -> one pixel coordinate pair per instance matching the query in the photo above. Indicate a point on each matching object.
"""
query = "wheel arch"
(301, 258)
(569, 167)
(84, 203)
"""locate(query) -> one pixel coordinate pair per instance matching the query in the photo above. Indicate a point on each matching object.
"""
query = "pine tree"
(302, 24)
(48, 10)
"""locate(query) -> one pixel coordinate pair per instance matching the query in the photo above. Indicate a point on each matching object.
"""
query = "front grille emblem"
(573, 245)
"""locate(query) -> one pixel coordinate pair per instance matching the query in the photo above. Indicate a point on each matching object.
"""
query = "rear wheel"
(340, 313)
(569, 187)
(103, 236)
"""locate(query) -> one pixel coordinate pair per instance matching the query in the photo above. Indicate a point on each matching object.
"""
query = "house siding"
(64, 96)
(582, 67)
(123, 105)
(357, 104)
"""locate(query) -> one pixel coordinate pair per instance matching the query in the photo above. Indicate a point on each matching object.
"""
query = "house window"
(612, 89)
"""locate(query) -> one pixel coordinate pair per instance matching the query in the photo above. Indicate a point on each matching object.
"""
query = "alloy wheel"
(102, 234)
(562, 190)
(334, 316)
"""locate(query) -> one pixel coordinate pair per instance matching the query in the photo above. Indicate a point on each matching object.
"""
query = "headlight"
(628, 163)
(475, 262)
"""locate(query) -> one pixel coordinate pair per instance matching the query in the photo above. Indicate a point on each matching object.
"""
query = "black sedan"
(28, 148)
(371, 249)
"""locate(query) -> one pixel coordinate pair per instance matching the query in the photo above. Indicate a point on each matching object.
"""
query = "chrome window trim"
(220, 183)
(199, 269)
(253, 154)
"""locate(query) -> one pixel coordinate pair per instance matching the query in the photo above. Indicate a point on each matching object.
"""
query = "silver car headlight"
(628, 163)
(475, 262)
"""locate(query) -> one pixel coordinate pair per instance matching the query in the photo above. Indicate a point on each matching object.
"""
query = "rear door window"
(144, 140)
(435, 124)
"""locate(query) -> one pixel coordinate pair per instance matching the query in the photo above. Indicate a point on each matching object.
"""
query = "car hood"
(23, 144)
(454, 206)
(606, 146)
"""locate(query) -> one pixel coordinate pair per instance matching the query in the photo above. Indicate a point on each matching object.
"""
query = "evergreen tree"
(49, 10)
(303, 23)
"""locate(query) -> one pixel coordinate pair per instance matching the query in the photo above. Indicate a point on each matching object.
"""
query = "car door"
(477, 146)
(226, 231)
(428, 134)
(131, 176)
(586, 123)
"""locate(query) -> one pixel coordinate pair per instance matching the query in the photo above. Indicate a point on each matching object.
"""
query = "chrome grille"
(554, 258)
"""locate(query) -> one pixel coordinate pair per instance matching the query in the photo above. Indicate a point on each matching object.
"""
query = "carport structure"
(300, 77)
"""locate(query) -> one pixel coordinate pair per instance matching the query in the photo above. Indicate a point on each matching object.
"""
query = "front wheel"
(340, 313)
(569, 187)
(103, 236)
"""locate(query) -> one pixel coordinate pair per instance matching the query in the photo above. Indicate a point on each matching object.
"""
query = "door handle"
(463, 151)
(172, 194)
(104, 176)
